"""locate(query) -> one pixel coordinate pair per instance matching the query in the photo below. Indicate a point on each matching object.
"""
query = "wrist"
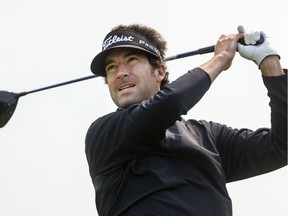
(270, 66)
(214, 67)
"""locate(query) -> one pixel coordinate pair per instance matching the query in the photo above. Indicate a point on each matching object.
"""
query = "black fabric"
(147, 160)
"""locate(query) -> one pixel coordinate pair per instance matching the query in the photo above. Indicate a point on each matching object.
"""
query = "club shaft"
(200, 51)
(203, 50)
(57, 85)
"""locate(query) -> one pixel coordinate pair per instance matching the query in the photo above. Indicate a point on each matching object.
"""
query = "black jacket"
(147, 160)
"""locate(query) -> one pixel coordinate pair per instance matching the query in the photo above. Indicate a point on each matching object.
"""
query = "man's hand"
(254, 52)
(224, 53)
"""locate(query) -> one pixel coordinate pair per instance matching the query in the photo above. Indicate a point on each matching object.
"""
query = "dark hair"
(158, 41)
(156, 63)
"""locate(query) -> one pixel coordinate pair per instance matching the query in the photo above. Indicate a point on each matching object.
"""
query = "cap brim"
(98, 63)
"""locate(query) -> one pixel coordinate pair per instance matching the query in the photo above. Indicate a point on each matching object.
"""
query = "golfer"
(145, 159)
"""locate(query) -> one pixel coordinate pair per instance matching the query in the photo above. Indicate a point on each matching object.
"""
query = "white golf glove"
(252, 50)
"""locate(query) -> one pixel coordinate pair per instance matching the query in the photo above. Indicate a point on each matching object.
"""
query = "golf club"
(9, 100)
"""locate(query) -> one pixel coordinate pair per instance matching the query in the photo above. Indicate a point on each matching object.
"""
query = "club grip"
(204, 50)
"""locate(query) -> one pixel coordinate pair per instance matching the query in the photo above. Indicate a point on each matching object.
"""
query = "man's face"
(131, 79)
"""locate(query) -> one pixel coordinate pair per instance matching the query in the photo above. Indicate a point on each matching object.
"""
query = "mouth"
(126, 87)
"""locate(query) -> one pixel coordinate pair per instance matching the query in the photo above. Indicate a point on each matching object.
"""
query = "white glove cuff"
(267, 52)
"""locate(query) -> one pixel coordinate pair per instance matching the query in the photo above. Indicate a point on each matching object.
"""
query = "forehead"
(124, 51)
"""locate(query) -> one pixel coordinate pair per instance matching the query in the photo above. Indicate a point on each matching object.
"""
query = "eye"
(132, 58)
(110, 67)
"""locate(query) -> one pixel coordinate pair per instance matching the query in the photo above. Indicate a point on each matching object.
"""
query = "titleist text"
(115, 39)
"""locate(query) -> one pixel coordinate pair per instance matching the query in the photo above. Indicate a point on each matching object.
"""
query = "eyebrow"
(132, 52)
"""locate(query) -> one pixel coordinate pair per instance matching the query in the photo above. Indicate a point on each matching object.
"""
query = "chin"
(126, 104)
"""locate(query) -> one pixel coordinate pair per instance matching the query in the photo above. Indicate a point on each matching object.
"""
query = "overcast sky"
(43, 168)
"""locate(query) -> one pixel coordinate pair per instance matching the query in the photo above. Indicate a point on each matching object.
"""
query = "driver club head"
(8, 103)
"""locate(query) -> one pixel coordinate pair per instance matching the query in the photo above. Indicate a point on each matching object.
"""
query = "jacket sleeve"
(246, 153)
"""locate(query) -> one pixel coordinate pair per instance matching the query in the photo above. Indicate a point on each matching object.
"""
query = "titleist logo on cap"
(115, 39)
(129, 38)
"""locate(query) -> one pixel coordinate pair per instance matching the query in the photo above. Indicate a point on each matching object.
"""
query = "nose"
(122, 70)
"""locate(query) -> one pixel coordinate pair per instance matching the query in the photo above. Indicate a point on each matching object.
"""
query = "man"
(145, 159)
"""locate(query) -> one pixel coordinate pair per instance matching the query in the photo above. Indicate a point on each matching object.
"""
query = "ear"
(161, 73)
